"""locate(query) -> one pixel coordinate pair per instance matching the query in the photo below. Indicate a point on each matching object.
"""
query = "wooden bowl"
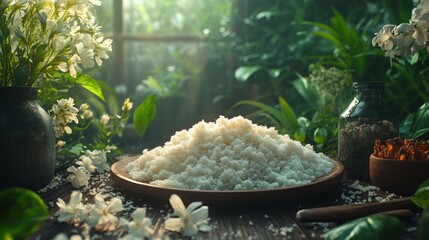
(396, 176)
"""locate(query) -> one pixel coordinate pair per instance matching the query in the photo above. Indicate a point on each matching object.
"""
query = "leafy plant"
(22, 211)
(270, 56)
(41, 38)
(373, 227)
(164, 84)
(407, 86)
(421, 199)
(100, 119)
(416, 125)
(349, 47)
(284, 119)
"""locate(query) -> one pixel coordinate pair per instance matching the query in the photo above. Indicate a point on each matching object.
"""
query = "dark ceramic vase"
(27, 140)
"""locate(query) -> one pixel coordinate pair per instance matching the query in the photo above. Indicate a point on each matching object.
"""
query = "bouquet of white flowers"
(406, 38)
(41, 37)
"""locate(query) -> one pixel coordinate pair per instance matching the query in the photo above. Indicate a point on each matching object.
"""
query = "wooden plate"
(326, 182)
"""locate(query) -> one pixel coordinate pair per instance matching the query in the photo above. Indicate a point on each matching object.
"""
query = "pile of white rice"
(229, 154)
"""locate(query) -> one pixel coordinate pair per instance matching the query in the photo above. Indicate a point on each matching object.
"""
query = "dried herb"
(402, 149)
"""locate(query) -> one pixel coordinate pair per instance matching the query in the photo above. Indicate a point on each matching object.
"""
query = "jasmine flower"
(73, 212)
(63, 112)
(190, 220)
(104, 119)
(86, 162)
(62, 236)
(99, 160)
(79, 177)
(406, 39)
(139, 228)
(60, 144)
(102, 215)
(85, 112)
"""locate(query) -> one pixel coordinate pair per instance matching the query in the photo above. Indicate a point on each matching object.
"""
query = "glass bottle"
(366, 119)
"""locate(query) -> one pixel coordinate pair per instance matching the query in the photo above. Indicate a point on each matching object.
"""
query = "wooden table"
(263, 221)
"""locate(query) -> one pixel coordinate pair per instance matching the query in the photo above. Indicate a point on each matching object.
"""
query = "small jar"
(366, 119)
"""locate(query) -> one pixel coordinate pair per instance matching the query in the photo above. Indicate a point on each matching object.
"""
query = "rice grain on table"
(229, 154)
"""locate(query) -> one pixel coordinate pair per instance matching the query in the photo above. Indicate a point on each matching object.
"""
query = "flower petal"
(177, 205)
(200, 215)
(190, 230)
(193, 206)
(116, 205)
(139, 214)
(173, 224)
(75, 198)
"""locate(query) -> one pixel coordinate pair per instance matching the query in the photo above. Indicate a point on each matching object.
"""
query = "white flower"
(60, 144)
(86, 162)
(79, 177)
(99, 160)
(64, 33)
(63, 236)
(104, 119)
(406, 38)
(62, 113)
(83, 107)
(101, 214)
(191, 219)
(101, 47)
(384, 38)
(86, 55)
(85, 112)
(110, 148)
(140, 227)
(75, 211)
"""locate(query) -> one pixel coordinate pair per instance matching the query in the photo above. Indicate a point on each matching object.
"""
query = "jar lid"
(360, 85)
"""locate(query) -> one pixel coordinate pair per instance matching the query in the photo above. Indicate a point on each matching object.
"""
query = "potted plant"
(39, 40)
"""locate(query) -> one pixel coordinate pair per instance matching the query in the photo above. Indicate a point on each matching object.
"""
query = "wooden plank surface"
(239, 221)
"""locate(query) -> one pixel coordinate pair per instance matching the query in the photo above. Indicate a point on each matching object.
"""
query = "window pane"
(105, 15)
(192, 81)
(169, 17)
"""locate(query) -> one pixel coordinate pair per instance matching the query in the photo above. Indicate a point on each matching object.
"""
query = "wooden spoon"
(398, 207)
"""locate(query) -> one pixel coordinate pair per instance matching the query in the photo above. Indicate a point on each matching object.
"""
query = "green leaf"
(144, 114)
(376, 227)
(406, 125)
(154, 84)
(414, 58)
(268, 14)
(90, 84)
(39, 55)
(76, 149)
(275, 73)
(421, 121)
(243, 74)
(22, 211)
(424, 225)
(42, 16)
(276, 114)
(288, 113)
(420, 132)
(21, 74)
(84, 81)
(299, 134)
(320, 135)
(421, 196)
